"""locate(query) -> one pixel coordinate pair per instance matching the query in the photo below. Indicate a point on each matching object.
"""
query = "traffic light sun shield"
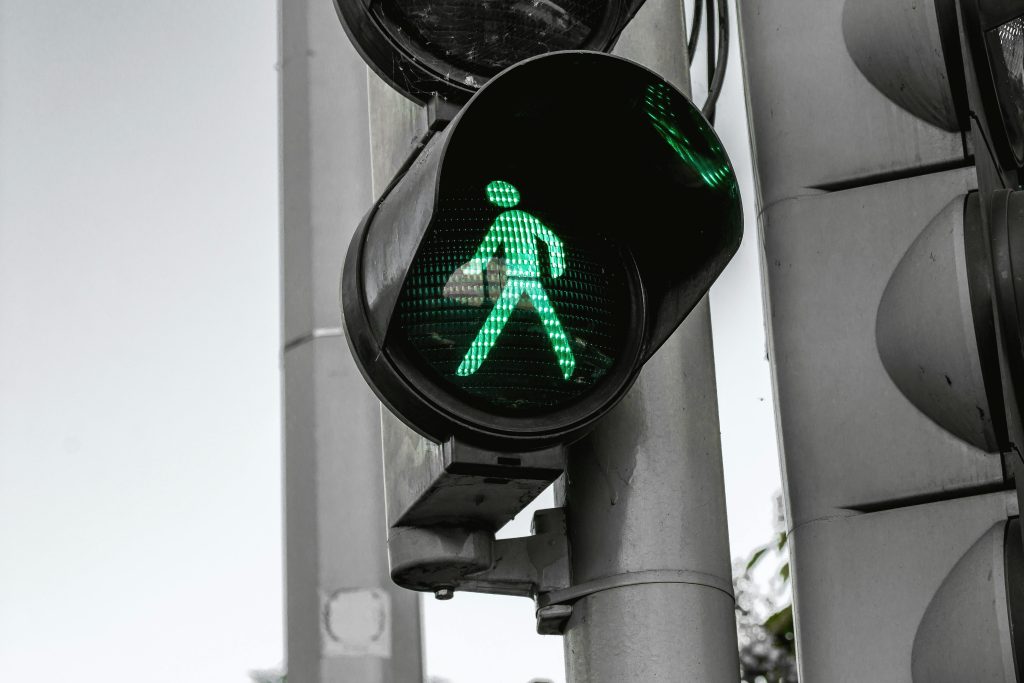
(934, 328)
(968, 631)
(898, 46)
(513, 282)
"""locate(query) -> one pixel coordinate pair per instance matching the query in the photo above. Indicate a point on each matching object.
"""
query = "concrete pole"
(346, 620)
(645, 493)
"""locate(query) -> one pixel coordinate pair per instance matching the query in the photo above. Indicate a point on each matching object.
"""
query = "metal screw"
(444, 593)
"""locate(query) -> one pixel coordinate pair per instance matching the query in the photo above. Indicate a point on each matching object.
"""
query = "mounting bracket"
(442, 560)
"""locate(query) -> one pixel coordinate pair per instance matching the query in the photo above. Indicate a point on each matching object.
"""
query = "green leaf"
(783, 537)
(756, 557)
(779, 623)
(780, 627)
(784, 572)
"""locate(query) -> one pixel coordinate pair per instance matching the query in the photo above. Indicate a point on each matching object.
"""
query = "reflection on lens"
(660, 107)
(1006, 50)
(485, 36)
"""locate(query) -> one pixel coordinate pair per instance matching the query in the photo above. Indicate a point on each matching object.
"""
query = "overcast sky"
(139, 354)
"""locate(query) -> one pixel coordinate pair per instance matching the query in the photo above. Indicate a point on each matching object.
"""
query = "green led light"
(502, 194)
(514, 308)
(659, 108)
(517, 232)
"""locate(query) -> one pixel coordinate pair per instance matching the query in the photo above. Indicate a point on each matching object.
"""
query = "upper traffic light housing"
(994, 31)
(451, 49)
(948, 62)
(958, 65)
(508, 286)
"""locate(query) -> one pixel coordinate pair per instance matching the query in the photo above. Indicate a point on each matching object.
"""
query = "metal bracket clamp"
(445, 559)
(555, 607)
(574, 593)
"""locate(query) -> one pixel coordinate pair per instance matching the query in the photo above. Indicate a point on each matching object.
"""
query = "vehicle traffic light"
(892, 260)
(968, 77)
(507, 288)
(970, 69)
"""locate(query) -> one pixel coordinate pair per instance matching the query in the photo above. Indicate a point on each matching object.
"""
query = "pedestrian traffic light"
(508, 286)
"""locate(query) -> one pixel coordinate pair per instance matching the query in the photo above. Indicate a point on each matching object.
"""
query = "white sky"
(140, 532)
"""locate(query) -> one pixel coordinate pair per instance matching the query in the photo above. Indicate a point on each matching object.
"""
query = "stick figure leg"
(552, 325)
(492, 327)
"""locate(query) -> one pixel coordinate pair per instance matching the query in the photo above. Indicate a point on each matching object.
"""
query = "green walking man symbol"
(518, 231)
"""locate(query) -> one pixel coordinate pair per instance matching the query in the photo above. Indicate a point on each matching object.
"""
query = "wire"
(710, 45)
(716, 74)
(717, 60)
(691, 44)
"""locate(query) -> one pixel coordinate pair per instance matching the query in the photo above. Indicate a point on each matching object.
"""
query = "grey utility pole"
(346, 620)
(644, 492)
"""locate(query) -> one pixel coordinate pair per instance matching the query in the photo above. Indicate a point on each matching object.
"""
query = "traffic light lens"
(1006, 50)
(485, 37)
(510, 307)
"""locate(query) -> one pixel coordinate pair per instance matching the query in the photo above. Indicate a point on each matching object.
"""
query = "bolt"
(445, 593)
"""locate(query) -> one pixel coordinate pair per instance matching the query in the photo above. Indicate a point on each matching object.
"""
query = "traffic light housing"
(992, 35)
(506, 289)
(890, 254)
(423, 49)
(958, 65)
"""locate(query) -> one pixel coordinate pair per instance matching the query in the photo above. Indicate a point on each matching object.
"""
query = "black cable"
(691, 44)
(717, 76)
(710, 44)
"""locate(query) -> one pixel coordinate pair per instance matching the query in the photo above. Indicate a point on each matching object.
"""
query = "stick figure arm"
(556, 252)
(484, 253)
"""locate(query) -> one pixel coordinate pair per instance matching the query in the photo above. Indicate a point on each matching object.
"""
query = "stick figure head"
(502, 194)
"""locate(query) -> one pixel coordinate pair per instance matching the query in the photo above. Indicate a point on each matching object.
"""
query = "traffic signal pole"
(647, 528)
(644, 491)
(346, 620)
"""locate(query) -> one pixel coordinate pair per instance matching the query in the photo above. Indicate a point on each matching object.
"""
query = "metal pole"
(644, 493)
(346, 620)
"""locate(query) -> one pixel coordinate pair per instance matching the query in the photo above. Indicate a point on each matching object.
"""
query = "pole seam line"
(316, 333)
(574, 593)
